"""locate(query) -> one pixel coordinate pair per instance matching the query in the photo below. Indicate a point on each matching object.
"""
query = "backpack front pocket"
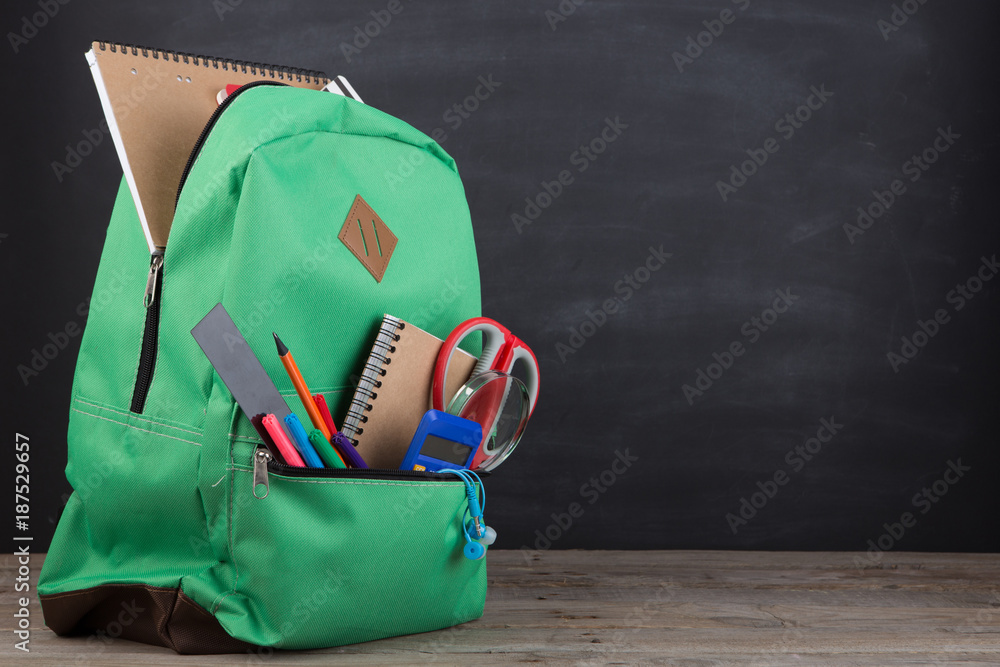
(331, 557)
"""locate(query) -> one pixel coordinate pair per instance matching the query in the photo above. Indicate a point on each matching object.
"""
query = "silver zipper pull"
(260, 460)
(155, 265)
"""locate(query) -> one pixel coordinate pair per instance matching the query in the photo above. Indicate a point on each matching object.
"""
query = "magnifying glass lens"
(498, 402)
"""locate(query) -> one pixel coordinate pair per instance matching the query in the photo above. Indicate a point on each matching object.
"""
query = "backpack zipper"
(208, 128)
(264, 462)
(154, 282)
(150, 334)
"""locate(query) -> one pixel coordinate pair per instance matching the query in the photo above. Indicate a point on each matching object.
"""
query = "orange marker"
(300, 387)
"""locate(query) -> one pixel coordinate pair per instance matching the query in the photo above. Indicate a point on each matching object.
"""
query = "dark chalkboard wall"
(714, 342)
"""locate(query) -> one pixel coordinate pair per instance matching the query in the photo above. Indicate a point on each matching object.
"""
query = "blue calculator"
(442, 441)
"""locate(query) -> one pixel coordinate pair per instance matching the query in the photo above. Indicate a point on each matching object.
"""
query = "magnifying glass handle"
(524, 354)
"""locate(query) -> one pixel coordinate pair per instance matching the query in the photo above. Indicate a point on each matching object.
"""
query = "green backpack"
(163, 540)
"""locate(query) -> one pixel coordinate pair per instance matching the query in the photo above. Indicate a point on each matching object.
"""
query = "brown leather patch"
(141, 613)
(368, 238)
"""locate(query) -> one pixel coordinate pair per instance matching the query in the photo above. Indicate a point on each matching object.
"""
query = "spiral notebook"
(157, 104)
(395, 391)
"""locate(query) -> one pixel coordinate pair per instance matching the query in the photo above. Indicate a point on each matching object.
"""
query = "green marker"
(326, 452)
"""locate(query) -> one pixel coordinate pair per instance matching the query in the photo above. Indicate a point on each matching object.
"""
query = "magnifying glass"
(499, 403)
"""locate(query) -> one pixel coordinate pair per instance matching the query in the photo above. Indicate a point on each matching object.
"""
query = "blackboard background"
(826, 357)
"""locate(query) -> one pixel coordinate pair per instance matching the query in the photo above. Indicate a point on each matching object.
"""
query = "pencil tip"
(282, 350)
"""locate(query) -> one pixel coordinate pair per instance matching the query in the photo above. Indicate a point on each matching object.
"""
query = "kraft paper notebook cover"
(399, 397)
(157, 104)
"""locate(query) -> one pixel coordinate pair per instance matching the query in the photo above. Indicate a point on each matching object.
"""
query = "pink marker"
(288, 451)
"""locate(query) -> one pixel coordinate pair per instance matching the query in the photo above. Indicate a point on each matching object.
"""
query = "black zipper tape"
(150, 336)
(151, 331)
(363, 473)
(264, 464)
(208, 129)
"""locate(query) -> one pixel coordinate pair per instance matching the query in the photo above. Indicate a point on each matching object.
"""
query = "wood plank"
(655, 607)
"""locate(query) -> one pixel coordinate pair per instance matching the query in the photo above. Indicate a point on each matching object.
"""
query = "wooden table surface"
(652, 607)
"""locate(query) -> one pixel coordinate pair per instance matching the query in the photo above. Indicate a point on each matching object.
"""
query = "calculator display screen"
(445, 450)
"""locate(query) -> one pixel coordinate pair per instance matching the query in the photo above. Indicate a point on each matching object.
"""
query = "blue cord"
(470, 478)
(473, 509)
(482, 491)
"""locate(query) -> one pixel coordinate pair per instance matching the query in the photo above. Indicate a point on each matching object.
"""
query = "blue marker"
(301, 441)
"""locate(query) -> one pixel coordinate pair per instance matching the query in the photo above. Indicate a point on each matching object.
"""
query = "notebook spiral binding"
(243, 66)
(375, 367)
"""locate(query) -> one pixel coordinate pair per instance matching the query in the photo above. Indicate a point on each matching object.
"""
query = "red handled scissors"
(501, 350)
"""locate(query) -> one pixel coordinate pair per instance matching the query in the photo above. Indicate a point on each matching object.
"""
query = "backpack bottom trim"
(139, 612)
